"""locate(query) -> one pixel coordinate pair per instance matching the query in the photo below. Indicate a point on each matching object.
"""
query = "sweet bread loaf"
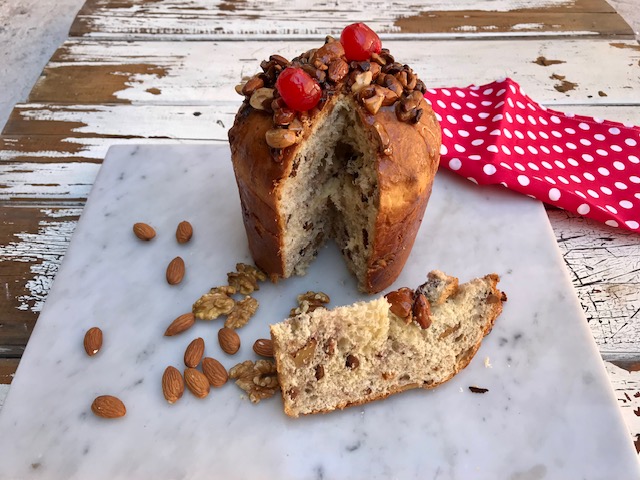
(356, 167)
(332, 359)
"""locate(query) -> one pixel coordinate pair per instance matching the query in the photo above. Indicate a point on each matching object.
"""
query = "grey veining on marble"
(549, 411)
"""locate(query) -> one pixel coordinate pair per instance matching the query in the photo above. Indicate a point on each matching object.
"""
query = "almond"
(214, 371)
(175, 271)
(92, 341)
(180, 324)
(229, 340)
(108, 406)
(184, 232)
(196, 382)
(172, 384)
(143, 231)
(194, 352)
(263, 347)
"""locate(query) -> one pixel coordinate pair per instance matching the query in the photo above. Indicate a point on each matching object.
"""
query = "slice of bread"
(332, 359)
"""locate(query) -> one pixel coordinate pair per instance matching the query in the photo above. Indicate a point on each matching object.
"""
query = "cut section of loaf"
(332, 359)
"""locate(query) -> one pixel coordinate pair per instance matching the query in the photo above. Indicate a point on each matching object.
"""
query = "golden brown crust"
(404, 178)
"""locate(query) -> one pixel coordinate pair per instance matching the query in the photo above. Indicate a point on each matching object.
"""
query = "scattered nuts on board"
(263, 347)
(196, 382)
(180, 324)
(143, 231)
(215, 372)
(184, 232)
(229, 340)
(175, 271)
(194, 352)
(93, 341)
(172, 385)
(108, 406)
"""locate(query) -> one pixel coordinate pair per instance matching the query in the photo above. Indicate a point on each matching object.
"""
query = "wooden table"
(151, 71)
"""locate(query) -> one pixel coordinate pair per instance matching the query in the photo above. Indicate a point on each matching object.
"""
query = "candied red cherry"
(359, 42)
(298, 90)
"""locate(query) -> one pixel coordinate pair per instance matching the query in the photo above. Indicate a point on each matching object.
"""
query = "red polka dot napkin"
(496, 134)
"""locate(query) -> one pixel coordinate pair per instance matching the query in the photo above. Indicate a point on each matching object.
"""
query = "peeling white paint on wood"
(189, 80)
(626, 386)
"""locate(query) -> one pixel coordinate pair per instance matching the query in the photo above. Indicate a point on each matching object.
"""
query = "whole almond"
(92, 341)
(108, 406)
(144, 231)
(175, 271)
(194, 352)
(180, 324)
(184, 232)
(229, 340)
(196, 382)
(214, 371)
(172, 384)
(263, 347)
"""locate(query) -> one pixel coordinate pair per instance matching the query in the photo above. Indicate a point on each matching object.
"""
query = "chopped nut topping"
(310, 301)
(352, 362)
(215, 303)
(303, 356)
(241, 313)
(259, 380)
(422, 311)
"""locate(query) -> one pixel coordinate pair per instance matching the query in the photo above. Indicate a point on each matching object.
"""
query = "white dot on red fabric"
(492, 148)
(598, 120)
(554, 194)
(543, 121)
(475, 157)
(599, 137)
(486, 103)
(603, 171)
(519, 149)
(471, 105)
(457, 106)
(584, 126)
(611, 223)
(637, 195)
(616, 148)
(508, 117)
(611, 209)
(545, 149)
(455, 164)
(573, 162)
(571, 146)
(620, 185)
(483, 115)
(580, 194)
(519, 166)
(520, 118)
(626, 204)
(585, 142)
(593, 193)
(488, 91)
(575, 178)
(447, 132)
(504, 184)
(459, 148)
(498, 105)
(631, 142)
(441, 104)
(569, 114)
(555, 119)
(446, 92)
(533, 166)
(557, 148)
(506, 150)
(570, 130)
(563, 180)
(606, 190)
(614, 131)
(489, 169)
(583, 209)
(531, 135)
(546, 165)
(589, 176)
(438, 116)
(544, 135)
(452, 119)
(519, 134)
(618, 165)
(467, 118)
(460, 93)
(520, 104)
(463, 133)
(532, 149)
(481, 128)
(471, 179)
(506, 165)
(632, 224)
(477, 142)
(432, 91)
(587, 158)
(633, 159)
(507, 133)
(443, 149)
(602, 152)
(559, 164)
(500, 92)
(556, 133)
(550, 180)
(523, 180)
(497, 118)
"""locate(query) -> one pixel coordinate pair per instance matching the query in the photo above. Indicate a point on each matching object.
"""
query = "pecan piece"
(252, 85)
(280, 138)
(338, 69)
(422, 311)
(401, 302)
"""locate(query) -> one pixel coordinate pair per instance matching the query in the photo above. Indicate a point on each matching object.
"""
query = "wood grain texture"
(8, 368)
(233, 19)
(94, 72)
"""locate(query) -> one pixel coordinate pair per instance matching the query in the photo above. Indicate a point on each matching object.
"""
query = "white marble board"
(549, 411)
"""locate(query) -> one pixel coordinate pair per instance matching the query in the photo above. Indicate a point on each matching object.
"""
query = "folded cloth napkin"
(496, 134)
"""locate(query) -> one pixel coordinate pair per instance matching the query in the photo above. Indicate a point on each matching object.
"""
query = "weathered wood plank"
(626, 385)
(252, 19)
(8, 368)
(173, 72)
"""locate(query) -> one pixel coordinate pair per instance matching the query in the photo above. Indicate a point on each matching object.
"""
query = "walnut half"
(259, 380)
